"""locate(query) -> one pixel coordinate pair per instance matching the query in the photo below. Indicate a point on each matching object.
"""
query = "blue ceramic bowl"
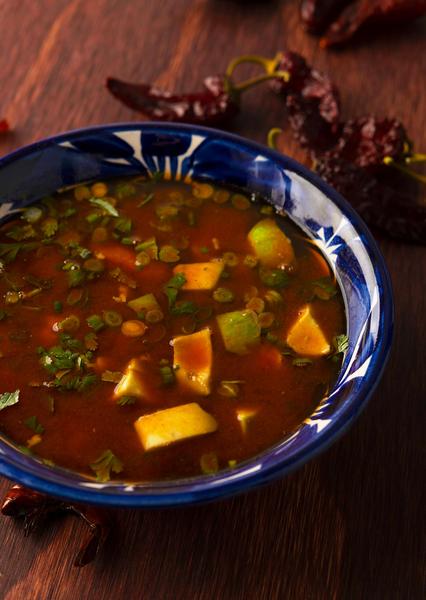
(183, 152)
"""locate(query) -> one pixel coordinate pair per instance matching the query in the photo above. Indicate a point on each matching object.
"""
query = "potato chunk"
(132, 383)
(192, 361)
(271, 246)
(306, 337)
(240, 330)
(173, 424)
(200, 276)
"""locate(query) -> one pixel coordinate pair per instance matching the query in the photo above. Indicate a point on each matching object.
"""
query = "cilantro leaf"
(106, 463)
(33, 424)
(105, 205)
(9, 399)
(184, 308)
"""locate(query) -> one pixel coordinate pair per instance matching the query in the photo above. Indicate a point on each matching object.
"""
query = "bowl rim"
(227, 482)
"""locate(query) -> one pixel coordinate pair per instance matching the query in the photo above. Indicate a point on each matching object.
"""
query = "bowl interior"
(183, 153)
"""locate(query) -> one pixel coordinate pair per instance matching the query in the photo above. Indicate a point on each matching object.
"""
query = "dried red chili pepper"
(35, 507)
(217, 103)
(373, 13)
(312, 102)
(4, 126)
(316, 15)
(368, 141)
(385, 200)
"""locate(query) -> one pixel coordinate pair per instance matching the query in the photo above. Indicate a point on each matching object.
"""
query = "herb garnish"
(106, 463)
(9, 399)
(173, 286)
(340, 345)
(105, 205)
(33, 424)
(95, 322)
(274, 278)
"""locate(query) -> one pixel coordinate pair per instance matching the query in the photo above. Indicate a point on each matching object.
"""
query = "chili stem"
(388, 160)
(245, 85)
(269, 64)
(273, 136)
(416, 157)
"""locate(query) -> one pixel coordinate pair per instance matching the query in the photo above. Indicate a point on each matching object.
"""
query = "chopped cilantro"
(21, 232)
(49, 227)
(75, 277)
(184, 308)
(33, 424)
(9, 252)
(340, 345)
(324, 288)
(124, 190)
(204, 250)
(105, 205)
(106, 463)
(91, 341)
(123, 225)
(9, 399)
(77, 382)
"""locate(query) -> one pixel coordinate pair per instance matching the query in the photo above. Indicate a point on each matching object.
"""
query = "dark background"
(348, 524)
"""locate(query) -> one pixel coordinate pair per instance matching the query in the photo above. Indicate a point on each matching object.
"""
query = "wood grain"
(348, 525)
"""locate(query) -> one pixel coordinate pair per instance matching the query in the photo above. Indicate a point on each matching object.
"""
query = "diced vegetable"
(240, 330)
(99, 189)
(143, 304)
(209, 463)
(271, 246)
(132, 383)
(106, 463)
(200, 276)
(9, 399)
(174, 424)
(192, 360)
(306, 336)
(244, 416)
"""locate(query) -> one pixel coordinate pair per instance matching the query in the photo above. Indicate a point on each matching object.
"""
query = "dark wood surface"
(349, 524)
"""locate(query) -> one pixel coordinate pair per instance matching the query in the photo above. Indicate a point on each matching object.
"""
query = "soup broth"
(154, 330)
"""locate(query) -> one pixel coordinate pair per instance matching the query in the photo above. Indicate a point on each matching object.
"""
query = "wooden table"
(346, 525)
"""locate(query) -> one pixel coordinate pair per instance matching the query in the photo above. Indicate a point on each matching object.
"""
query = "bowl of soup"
(184, 315)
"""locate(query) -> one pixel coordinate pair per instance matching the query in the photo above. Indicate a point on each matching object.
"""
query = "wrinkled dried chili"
(216, 104)
(341, 19)
(316, 15)
(34, 507)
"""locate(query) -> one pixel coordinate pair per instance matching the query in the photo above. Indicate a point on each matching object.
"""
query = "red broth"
(84, 255)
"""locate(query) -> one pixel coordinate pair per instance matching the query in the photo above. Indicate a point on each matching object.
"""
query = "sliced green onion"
(222, 294)
(112, 318)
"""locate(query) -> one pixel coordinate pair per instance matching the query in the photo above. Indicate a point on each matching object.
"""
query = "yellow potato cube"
(306, 337)
(192, 361)
(200, 276)
(132, 383)
(174, 424)
(270, 245)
